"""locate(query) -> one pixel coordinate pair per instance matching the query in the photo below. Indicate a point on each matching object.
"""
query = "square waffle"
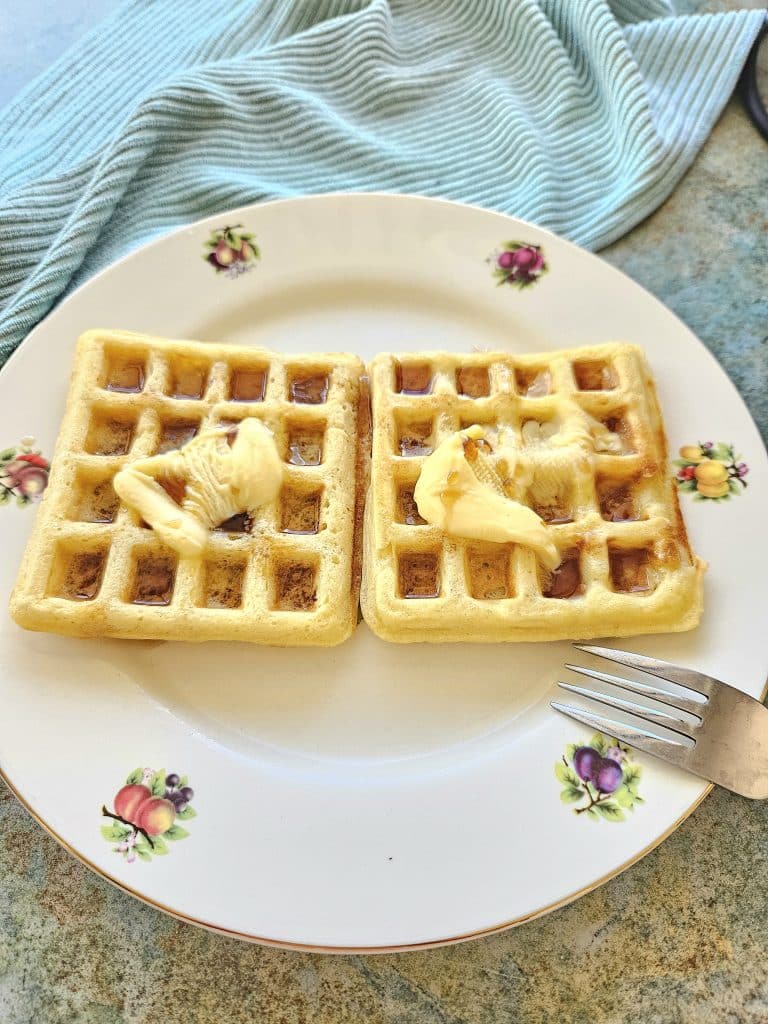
(626, 565)
(286, 574)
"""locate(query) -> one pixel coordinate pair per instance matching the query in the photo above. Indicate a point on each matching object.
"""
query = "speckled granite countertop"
(681, 938)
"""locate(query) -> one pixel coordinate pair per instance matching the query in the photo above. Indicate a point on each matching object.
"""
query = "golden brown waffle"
(283, 575)
(626, 564)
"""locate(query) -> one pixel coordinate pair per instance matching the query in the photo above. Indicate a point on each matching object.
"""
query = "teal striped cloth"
(580, 115)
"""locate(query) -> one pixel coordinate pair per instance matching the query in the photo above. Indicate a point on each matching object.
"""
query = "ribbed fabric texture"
(580, 115)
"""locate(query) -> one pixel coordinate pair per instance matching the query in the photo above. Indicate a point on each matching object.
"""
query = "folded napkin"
(580, 115)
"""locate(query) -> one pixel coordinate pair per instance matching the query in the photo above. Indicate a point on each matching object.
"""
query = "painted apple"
(129, 802)
(27, 475)
(156, 816)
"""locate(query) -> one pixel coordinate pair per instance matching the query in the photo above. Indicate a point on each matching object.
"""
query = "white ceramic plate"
(368, 796)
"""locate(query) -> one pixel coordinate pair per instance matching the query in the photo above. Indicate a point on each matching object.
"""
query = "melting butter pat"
(221, 480)
(462, 498)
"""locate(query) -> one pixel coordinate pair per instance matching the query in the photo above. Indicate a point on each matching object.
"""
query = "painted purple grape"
(609, 775)
(506, 260)
(187, 793)
(172, 780)
(587, 763)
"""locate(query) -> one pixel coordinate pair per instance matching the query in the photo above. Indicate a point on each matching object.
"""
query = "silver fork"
(717, 732)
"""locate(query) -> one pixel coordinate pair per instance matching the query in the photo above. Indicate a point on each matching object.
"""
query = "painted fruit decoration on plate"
(232, 250)
(146, 813)
(600, 779)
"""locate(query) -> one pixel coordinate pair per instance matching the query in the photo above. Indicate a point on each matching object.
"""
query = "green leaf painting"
(157, 784)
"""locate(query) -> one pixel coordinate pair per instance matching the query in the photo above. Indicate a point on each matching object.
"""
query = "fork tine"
(609, 700)
(632, 686)
(696, 681)
(667, 750)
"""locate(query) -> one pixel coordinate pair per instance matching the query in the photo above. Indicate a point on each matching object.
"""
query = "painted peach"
(129, 801)
(691, 453)
(157, 815)
(711, 472)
